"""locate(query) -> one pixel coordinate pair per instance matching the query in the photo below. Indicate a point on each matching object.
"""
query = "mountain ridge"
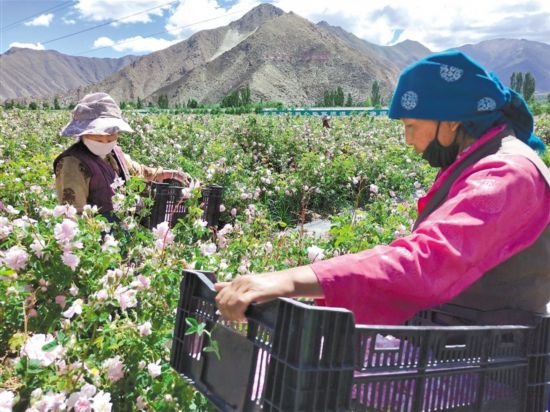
(27, 72)
(280, 56)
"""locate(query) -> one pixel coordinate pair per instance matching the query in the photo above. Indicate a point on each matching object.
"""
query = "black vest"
(102, 175)
(522, 281)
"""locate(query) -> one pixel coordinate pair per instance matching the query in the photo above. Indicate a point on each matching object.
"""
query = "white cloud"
(102, 10)
(438, 24)
(42, 20)
(67, 21)
(135, 44)
(191, 16)
(34, 46)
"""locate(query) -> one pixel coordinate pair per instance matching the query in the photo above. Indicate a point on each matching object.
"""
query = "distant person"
(85, 171)
(325, 120)
(482, 236)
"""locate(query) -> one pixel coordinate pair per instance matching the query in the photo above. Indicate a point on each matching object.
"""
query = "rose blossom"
(73, 290)
(60, 300)
(115, 368)
(208, 249)
(15, 258)
(154, 369)
(315, 253)
(141, 283)
(70, 259)
(75, 309)
(67, 210)
(6, 401)
(33, 349)
(163, 235)
(126, 297)
(65, 231)
(102, 402)
(37, 248)
(145, 329)
(140, 403)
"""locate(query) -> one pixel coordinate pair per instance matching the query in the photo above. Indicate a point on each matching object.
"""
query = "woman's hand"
(234, 297)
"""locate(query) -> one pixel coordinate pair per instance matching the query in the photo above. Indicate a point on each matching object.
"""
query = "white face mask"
(98, 148)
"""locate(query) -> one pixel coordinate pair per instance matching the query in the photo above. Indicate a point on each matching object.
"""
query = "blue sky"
(142, 26)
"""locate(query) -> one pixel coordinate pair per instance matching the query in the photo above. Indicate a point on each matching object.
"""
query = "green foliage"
(524, 84)
(528, 86)
(375, 96)
(349, 101)
(33, 106)
(237, 98)
(163, 101)
(194, 327)
(519, 82)
(334, 98)
(56, 105)
(277, 172)
(339, 98)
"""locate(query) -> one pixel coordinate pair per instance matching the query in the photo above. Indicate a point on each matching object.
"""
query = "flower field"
(87, 309)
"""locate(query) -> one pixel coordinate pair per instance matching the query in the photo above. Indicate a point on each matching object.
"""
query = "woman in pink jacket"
(482, 237)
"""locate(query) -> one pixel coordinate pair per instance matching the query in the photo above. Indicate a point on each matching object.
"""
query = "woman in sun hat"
(85, 171)
(482, 237)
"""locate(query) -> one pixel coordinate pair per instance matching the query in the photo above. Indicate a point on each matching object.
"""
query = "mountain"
(504, 56)
(26, 72)
(287, 59)
(400, 55)
(280, 56)
(159, 69)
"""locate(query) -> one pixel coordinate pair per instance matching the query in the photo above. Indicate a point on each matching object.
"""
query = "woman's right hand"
(234, 297)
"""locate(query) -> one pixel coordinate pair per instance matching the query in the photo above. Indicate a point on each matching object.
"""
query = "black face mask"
(438, 155)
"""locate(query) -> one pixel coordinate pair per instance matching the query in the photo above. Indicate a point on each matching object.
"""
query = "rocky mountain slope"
(280, 56)
(26, 72)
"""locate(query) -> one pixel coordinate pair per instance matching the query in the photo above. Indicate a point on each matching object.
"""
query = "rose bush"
(87, 308)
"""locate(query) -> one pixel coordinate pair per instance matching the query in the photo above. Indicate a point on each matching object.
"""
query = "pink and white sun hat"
(96, 113)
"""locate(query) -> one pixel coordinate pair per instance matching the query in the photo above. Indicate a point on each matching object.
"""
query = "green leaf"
(21, 366)
(103, 316)
(61, 337)
(194, 327)
(48, 347)
(213, 347)
(201, 328)
(192, 323)
(34, 367)
(16, 341)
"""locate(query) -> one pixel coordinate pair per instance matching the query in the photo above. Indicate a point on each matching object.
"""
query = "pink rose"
(15, 258)
(60, 300)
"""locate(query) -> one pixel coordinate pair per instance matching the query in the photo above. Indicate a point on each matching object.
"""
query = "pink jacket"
(498, 207)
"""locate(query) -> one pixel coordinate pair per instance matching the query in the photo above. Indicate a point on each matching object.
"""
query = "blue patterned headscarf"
(451, 86)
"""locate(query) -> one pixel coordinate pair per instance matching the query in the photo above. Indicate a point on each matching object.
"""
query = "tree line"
(524, 84)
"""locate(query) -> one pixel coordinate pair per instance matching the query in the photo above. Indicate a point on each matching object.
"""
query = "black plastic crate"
(291, 356)
(537, 396)
(212, 199)
(169, 204)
